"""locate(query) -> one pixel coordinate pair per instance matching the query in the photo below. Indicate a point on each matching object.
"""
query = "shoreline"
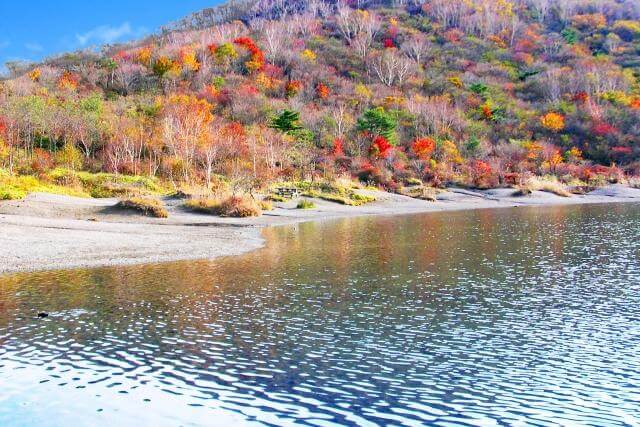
(47, 232)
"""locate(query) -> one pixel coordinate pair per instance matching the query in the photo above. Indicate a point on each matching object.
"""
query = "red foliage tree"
(581, 97)
(603, 129)
(41, 161)
(257, 61)
(381, 147)
(338, 147)
(481, 173)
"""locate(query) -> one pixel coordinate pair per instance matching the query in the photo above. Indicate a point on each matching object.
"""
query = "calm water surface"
(493, 317)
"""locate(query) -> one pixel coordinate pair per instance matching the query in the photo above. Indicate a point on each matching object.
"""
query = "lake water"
(492, 317)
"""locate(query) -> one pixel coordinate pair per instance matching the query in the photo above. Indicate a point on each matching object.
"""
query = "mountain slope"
(473, 92)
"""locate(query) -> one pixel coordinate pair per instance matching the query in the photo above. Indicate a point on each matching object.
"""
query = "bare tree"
(126, 75)
(435, 115)
(391, 66)
(274, 36)
(448, 13)
(416, 47)
(542, 9)
(353, 23)
(341, 117)
(552, 82)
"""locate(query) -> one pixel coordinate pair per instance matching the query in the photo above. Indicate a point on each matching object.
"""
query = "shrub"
(306, 204)
(149, 207)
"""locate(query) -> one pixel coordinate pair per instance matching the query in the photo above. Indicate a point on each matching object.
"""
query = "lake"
(489, 317)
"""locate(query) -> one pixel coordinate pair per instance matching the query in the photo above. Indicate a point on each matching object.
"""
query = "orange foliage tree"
(423, 148)
(186, 122)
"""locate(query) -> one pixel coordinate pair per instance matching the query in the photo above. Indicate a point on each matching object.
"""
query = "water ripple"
(506, 317)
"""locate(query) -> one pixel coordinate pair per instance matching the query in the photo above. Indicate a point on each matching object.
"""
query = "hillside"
(475, 93)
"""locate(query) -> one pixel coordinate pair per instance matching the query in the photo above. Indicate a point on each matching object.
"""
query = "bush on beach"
(146, 206)
(233, 206)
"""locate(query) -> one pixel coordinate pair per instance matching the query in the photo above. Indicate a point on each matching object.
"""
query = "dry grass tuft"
(306, 204)
(234, 206)
(149, 207)
(549, 185)
(420, 192)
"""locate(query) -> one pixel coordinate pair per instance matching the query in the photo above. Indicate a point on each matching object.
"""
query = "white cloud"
(34, 47)
(106, 34)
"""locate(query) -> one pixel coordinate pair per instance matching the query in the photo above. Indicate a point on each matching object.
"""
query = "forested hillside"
(481, 93)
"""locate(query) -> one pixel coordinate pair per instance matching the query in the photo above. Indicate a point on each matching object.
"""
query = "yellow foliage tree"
(35, 74)
(553, 121)
(309, 55)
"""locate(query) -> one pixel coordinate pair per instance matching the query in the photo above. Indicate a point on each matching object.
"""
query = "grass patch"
(339, 191)
(14, 187)
(275, 198)
(353, 199)
(235, 206)
(306, 204)
(78, 184)
(146, 206)
(265, 205)
(103, 185)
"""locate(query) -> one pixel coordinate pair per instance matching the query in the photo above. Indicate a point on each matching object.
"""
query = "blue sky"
(33, 29)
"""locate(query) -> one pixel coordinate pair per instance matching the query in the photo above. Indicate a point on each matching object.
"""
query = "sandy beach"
(47, 232)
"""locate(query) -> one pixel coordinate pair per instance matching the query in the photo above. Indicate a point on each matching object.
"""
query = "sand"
(48, 232)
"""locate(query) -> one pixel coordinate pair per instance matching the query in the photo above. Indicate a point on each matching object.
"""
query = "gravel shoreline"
(49, 232)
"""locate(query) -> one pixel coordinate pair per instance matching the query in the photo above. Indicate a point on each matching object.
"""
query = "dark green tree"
(286, 121)
(377, 121)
